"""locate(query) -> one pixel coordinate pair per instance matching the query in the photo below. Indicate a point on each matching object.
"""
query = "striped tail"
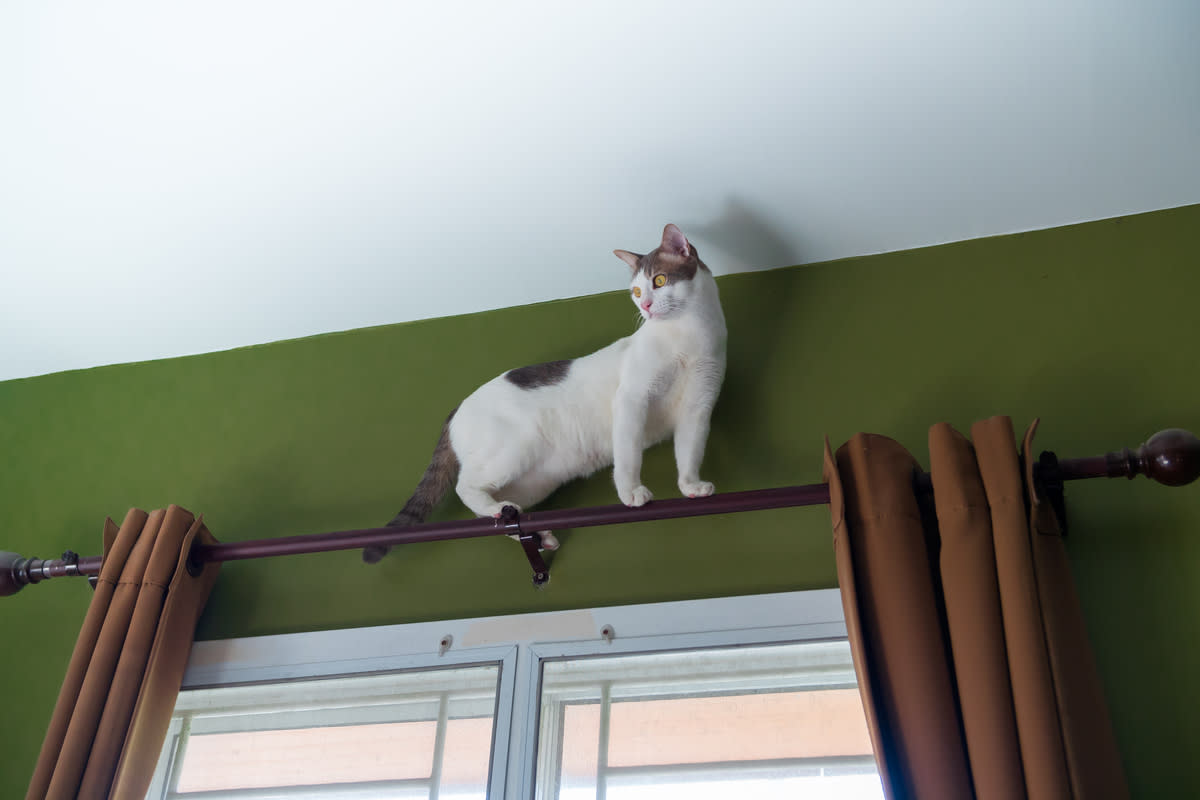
(438, 477)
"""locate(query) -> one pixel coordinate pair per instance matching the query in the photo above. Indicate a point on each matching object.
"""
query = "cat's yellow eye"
(660, 281)
(637, 291)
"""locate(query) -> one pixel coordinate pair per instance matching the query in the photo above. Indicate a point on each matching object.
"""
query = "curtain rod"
(1170, 457)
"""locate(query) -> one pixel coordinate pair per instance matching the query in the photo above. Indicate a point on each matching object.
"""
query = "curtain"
(968, 639)
(112, 714)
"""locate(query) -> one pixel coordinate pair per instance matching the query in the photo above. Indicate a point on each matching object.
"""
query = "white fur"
(515, 446)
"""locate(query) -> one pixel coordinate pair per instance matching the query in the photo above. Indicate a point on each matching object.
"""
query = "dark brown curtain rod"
(1170, 457)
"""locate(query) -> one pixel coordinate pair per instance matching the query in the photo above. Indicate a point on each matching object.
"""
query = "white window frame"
(518, 644)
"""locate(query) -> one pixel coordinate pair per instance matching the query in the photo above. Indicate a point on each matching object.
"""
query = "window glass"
(424, 734)
(763, 721)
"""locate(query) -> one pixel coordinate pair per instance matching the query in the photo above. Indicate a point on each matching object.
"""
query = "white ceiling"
(186, 177)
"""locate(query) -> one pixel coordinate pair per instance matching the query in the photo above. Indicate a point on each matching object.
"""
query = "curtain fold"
(115, 705)
(901, 646)
(968, 638)
(1035, 707)
(967, 562)
(1092, 758)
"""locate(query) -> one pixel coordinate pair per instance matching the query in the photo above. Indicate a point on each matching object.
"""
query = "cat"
(521, 435)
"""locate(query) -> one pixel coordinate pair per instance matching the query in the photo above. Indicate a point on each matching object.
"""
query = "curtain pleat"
(852, 609)
(86, 651)
(169, 653)
(968, 572)
(1005, 702)
(111, 664)
(1093, 761)
(1033, 691)
(913, 698)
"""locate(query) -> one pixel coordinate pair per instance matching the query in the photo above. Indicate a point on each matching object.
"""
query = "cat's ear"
(674, 242)
(629, 258)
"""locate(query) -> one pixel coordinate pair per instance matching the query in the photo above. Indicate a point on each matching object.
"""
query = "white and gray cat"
(523, 434)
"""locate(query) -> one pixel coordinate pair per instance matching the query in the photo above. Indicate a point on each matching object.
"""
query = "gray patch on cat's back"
(537, 375)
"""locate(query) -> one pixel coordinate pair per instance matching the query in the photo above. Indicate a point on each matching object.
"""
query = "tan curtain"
(968, 639)
(116, 701)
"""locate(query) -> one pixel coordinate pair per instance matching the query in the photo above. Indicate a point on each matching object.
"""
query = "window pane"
(463, 773)
(767, 721)
(382, 736)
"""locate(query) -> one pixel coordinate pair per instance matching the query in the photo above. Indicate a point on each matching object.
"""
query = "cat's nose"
(647, 303)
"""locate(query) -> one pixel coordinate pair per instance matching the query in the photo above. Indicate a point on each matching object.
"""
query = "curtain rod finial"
(12, 570)
(1170, 457)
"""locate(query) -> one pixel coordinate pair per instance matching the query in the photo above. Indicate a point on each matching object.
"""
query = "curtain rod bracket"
(510, 518)
(1049, 479)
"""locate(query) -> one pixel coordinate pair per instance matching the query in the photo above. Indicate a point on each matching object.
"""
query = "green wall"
(1091, 327)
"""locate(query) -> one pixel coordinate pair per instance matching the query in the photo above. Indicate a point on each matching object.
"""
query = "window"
(766, 721)
(393, 735)
(750, 696)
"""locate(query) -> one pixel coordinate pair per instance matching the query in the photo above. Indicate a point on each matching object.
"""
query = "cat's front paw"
(497, 510)
(637, 496)
(696, 488)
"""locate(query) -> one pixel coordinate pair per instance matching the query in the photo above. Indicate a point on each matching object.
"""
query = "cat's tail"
(437, 480)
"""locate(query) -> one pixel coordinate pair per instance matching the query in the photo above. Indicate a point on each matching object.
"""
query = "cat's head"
(664, 280)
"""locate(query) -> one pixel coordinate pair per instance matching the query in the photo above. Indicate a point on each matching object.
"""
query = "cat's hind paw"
(546, 540)
(638, 496)
(696, 488)
(373, 554)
